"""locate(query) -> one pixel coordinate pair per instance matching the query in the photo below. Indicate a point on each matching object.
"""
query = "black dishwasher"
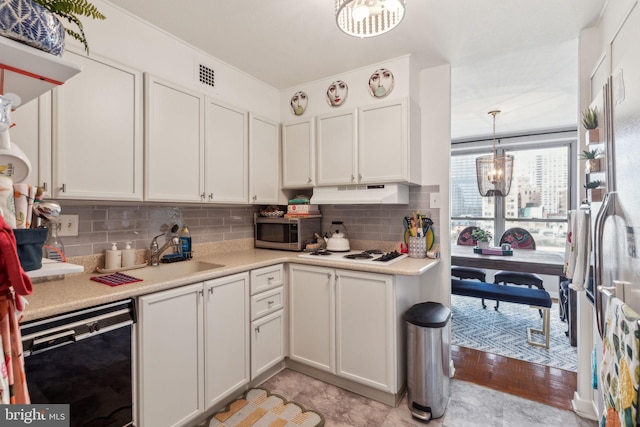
(83, 359)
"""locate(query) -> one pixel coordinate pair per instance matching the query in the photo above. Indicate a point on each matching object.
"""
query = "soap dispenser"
(128, 256)
(113, 258)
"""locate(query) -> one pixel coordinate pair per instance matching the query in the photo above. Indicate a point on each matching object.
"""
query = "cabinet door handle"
(210, 196)
(211, 291)
(270, 279)
(329, 275)
(257, 329)
(270, 303)
(308, 180)
(255, 197)
(201, 292)
(44, 186)
(359, 177)
(353, 178)
(63, 188)
(202, 196)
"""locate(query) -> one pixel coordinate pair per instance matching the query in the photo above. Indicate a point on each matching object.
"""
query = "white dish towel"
(578, 249)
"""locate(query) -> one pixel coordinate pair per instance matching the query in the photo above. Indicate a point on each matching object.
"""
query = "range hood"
(361, 194)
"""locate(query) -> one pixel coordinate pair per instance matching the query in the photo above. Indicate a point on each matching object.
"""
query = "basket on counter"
(271, 213)
(29, 242)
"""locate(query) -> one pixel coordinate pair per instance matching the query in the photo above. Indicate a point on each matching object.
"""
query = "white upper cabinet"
(32, 134)
(337, 148)
(298, 154)
(174, 142)
(97, 132)
(377, 145)
(226, 153)
(264, 165)
(388, 143)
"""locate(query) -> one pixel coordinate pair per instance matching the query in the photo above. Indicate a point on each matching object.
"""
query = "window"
(540, 196)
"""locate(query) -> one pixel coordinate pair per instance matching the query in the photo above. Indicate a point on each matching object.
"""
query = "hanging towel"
(14, 283)
(7, 202)
(620, 367)
(21, 197)
(570, 247)
(578, 250)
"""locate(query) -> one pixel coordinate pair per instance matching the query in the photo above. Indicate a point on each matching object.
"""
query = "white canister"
(113, 258)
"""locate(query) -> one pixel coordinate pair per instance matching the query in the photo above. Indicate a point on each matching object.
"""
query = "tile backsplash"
(100, 225)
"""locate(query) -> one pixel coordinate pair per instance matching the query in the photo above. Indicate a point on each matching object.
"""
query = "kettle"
(337, 242)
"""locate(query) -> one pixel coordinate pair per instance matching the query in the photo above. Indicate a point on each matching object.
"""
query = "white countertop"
(77, 291)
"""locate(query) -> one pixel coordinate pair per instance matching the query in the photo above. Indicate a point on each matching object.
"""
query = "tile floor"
(469, 405)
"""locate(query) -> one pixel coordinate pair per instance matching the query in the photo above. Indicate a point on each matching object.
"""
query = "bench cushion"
(469, 288)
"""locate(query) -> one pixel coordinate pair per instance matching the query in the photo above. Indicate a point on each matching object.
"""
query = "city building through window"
(541, 191)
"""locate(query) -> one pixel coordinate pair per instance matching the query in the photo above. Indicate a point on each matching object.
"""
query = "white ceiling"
(519, 56)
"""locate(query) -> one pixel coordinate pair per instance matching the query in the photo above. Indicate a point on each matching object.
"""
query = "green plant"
(589, 154)
(593, 184)
(590, 118)
(70, 10)
(481, 235)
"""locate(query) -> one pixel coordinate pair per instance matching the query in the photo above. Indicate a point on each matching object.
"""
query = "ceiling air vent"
(207, 75)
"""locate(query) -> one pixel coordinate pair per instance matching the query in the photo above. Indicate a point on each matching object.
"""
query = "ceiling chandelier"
(368, 18)
(494, 172)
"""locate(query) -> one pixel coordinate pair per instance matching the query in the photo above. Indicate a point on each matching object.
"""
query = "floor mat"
(259, 408)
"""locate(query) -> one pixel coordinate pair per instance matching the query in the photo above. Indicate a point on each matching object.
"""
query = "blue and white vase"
(30, 23)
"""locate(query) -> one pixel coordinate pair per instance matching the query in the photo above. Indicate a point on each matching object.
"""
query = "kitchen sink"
(175, 270)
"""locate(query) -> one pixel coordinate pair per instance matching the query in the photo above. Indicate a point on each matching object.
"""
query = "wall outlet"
(435, 200)
(68, 225)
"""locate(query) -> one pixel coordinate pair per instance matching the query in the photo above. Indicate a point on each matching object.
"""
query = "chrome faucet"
(154, 259)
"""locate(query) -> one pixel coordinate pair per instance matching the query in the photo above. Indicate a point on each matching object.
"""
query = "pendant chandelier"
(368, 18)
(494, 172)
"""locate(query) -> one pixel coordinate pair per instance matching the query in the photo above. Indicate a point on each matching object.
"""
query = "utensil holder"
(29, 243)
(417, 247)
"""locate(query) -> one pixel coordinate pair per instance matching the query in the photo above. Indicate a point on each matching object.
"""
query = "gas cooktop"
(372, 257)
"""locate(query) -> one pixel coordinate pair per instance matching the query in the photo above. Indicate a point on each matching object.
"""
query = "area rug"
(259, 408)
(504, 332)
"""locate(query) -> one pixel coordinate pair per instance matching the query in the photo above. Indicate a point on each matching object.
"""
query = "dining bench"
(538, 299)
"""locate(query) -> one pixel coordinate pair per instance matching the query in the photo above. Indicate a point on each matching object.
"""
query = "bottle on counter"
(53, 247)
(185, 242)
(128, 256)
(113, 258)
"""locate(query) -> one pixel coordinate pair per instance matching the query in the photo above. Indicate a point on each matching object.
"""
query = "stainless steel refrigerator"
(617, 223)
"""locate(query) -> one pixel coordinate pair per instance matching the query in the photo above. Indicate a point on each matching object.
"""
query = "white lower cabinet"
(193, 349)
(365, 338)
(170, 357)
(344, 322)
(267, 318)
(267, 342)
(312, 316)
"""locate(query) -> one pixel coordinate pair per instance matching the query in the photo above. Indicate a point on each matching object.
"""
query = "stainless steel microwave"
(289, 234)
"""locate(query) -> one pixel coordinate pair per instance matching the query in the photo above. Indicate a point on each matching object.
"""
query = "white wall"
(435, 106)
(127, 39)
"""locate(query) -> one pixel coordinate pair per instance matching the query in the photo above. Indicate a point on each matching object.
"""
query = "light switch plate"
(68, 225)
(434, 201)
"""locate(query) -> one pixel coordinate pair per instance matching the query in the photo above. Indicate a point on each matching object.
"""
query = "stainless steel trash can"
(428, 359)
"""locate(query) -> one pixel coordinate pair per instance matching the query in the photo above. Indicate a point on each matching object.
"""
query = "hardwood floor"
(544, 384)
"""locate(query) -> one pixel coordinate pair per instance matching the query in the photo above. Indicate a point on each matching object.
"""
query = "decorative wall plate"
(381, 83)
(337, 93)
(299, 103)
